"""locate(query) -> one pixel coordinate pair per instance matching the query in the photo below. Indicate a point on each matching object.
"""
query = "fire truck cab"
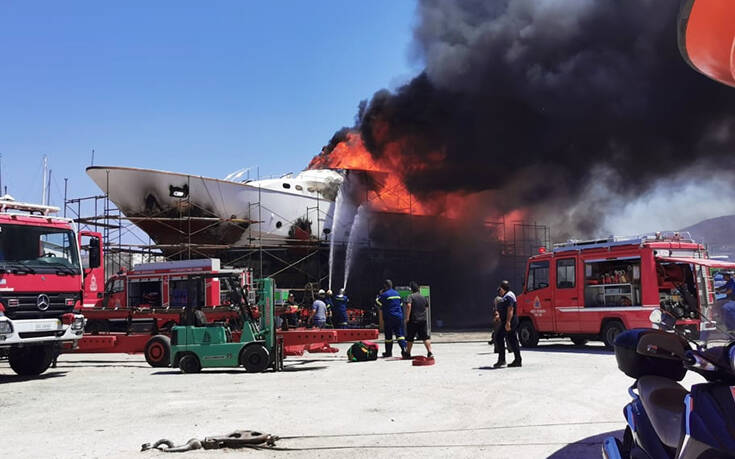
(41, 274)
(593, 290)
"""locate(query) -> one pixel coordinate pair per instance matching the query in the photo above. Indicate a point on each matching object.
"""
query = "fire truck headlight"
(5, 327)
(78, 323)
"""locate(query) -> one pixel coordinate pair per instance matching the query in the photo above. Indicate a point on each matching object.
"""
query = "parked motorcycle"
(664, 419)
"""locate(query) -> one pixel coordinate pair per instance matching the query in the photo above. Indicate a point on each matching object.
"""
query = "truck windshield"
(38, 249)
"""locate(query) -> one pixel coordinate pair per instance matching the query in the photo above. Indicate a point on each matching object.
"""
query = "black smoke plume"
(536, 101)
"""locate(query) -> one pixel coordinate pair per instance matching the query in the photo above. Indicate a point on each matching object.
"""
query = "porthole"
(279, 224)
(287, 185)
(299, 187)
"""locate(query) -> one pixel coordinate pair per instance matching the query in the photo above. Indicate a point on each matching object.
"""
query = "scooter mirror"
(655, 316)
(663, 319)
(661, 345)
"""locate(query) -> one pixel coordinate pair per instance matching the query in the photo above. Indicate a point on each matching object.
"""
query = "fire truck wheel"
(190, 364)
(255, 358)
(578, 341)
(527, 334)
(158, 351)
(610, 330)
(31, 360)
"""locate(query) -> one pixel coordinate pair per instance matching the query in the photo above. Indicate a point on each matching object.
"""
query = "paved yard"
(560, 404)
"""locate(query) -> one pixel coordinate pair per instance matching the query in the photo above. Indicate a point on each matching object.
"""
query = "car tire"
(158, 351)
(527, 334)
(610, 331)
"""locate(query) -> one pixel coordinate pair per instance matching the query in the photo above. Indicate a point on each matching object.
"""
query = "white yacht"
(175, 208)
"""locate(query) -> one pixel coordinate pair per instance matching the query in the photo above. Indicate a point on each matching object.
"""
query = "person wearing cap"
(507, 330)
(339, 314)
(389, 302)
(318, 315)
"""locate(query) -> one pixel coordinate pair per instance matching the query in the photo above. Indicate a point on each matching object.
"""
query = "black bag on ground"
(362, 351)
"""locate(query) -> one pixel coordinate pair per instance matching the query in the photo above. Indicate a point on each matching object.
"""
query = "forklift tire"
(610, 331)
(190, 364)
(158, 351)
(255, 358)
(527, 334)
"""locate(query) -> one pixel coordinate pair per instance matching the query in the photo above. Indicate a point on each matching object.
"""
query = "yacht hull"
(175, 209)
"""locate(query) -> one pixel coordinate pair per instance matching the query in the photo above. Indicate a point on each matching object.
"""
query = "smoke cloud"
(535, 103)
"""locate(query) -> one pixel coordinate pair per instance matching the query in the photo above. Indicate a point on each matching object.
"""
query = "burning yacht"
(173, 207)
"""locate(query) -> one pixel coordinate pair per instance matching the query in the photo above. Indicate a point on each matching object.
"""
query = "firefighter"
(339, 315)
(729, 287)
(507, 329)
(389, 302)
(496, 320)
(329, 301)
(290, 311)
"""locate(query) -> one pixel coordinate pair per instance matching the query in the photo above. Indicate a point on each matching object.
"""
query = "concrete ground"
(561, 404)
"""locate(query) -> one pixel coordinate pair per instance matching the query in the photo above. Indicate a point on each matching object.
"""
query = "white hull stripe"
(610, 309)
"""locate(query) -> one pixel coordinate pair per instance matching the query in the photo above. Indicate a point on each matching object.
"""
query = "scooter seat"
(663, 400)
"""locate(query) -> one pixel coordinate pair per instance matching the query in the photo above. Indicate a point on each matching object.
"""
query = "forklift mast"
(264, 291)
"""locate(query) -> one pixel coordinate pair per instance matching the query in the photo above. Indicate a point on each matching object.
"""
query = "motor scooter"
(664, 420)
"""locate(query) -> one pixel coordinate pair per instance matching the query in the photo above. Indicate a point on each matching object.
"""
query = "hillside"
(718, 233)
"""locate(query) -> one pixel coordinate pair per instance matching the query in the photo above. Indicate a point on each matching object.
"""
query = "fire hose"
(234, 440)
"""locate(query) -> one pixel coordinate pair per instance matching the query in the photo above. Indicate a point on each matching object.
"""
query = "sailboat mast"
(45, 171)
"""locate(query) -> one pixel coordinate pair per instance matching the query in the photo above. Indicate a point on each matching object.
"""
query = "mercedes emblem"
(42, 302)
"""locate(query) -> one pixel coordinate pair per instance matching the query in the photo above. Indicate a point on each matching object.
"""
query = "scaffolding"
(403, 245)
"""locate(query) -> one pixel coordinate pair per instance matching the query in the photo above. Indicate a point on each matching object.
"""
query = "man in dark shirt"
(506, 313)
(416, 306)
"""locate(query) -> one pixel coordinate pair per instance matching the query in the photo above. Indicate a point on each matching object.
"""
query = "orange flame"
(392, 194)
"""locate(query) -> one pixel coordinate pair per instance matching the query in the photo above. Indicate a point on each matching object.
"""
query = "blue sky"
(198, 87)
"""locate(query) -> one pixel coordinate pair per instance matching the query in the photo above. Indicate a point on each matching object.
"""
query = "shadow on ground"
(7, 379)
(585, 448)
(568, 348)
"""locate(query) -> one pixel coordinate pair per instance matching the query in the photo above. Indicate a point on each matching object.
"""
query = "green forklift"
(198, 344)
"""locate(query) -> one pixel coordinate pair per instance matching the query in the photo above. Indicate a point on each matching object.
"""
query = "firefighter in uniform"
(506, 318)
(339, 315)
(389, 302)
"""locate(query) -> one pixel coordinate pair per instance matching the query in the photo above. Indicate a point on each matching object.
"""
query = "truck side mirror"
(94, 253)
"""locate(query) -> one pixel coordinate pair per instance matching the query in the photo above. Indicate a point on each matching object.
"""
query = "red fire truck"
(136, 306)
(41, 275)
(159, 291)
(593, 290)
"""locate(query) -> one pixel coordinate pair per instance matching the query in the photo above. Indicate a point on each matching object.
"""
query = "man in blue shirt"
(339, 315)
(389, 302)
(319, 311)
(729, 287)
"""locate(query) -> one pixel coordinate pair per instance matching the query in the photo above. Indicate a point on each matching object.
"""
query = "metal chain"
(236, 439)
